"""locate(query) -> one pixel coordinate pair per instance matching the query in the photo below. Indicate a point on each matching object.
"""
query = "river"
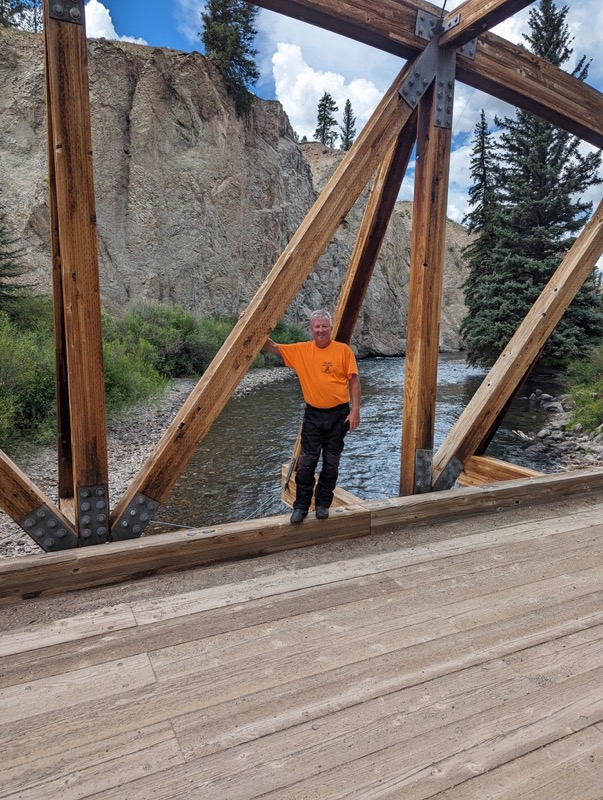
(235, 472)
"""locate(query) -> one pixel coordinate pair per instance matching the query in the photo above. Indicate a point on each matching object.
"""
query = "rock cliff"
(194, 205)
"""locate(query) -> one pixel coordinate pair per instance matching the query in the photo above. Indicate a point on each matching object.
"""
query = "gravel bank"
(129, 442)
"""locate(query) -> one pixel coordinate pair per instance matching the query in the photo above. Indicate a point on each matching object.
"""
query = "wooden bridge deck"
(454, 661)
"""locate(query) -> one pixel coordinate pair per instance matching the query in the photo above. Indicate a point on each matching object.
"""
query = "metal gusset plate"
(444, 89)
(135, 519)
(67, 10)
(47, 530)
(420, 77)
(448, 475)
(93, 514)
(423, 467)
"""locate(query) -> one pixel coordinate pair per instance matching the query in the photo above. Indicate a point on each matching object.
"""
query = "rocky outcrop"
(194, 205)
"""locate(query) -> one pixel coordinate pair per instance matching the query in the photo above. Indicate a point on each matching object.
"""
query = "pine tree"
(326, 121)
(481, 287)
(30, 17)
(227, 36)
(348, 129)
(535, 212)
(9, 11)
(11, 266)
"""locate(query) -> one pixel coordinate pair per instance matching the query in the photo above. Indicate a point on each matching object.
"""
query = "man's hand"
(353, 418)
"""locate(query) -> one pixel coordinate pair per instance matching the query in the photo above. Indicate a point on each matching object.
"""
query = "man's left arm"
(354, 415)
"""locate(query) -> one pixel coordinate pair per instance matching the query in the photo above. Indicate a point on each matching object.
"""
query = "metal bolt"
(124, 523)
(100, 503)
(101, 531)
(152, 505)
(144, 517)
(29, 522)
(85, 507)
(100, 492)
(48, 543)
(101, 518)
(61, 533)
(136, 529)
(58, 8)
(75, 13)
(52, 523)
(140, 500)
(86, 533)
(85, 520)
(132, 512)
(41, 513)
(85, 492)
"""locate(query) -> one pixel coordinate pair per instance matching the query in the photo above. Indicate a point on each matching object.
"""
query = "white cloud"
(100, 26)
(299, 87)
(188, 20)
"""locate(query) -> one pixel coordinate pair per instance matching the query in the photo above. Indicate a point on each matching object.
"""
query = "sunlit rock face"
(194, 204)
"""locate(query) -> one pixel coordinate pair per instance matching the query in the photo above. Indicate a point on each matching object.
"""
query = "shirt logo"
(327, 366)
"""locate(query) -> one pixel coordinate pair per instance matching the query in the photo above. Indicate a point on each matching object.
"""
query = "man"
(328, 375)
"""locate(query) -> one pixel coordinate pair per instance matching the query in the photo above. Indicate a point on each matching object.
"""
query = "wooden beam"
(377, 214)
(205, 403)
(425, 288)
(21, 499)
(33, 576)
(500, 68)
(71, 148)
(480, 470)
(476, 17)
(482, 411)
(65, 459)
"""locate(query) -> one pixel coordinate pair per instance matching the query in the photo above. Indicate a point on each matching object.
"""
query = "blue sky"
(299, 62)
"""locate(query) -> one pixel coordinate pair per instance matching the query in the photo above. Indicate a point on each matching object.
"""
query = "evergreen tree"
(533, 218)
(30, 17)
(326, 122)
(348, 129)
(11, 266)
(227, 36)
(9, 11)
(480, 287)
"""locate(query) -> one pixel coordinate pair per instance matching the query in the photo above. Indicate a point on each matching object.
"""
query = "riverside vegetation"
(150, 346)
(144, 351)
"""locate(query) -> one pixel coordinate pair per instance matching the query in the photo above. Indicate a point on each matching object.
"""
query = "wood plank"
(69, 629)
(68, 94)
(425, 288)
(379, 208)
(421, 767)
(393, 513)
(103, 765)
(506, 71)
(23, 701)
(486, 469)
(475, 423)
(205, 403)
(195, 614)
(476, 17)
(36, 575)
(569, 767)
(350, 684)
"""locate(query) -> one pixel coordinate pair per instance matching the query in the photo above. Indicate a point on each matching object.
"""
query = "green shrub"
(129, 374)
(585, 378)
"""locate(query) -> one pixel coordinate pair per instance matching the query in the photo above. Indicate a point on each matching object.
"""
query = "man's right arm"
(271, 347)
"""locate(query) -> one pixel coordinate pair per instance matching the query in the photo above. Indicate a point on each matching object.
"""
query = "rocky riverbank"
(131, 440)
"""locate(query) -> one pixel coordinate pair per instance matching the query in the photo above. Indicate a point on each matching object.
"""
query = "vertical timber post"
(426, 274)
(75, 258)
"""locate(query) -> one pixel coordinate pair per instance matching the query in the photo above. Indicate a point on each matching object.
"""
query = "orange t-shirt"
(323, 372)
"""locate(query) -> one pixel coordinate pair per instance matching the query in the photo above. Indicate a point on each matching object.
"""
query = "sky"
(299, 62)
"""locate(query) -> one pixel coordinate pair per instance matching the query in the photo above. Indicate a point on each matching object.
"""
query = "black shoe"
(322, 512)
(299, 515)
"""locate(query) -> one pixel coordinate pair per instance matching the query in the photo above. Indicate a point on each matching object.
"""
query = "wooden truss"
(417, 108)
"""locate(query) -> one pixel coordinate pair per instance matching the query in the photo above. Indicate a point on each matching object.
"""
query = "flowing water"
(235, 472)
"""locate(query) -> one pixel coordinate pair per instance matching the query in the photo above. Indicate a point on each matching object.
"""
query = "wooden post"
(483, 410)
(32, 510)
(77, 257)
(425, 289)
(211, 394)
(374, 224)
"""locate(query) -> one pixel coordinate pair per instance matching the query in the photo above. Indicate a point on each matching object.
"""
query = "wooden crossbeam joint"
(434, 63)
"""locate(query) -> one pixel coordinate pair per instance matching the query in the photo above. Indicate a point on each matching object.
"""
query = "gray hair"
(320, 313)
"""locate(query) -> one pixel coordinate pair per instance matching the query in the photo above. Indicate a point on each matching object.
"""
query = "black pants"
(323, 430)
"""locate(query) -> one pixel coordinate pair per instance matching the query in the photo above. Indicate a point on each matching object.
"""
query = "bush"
(585, 379)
